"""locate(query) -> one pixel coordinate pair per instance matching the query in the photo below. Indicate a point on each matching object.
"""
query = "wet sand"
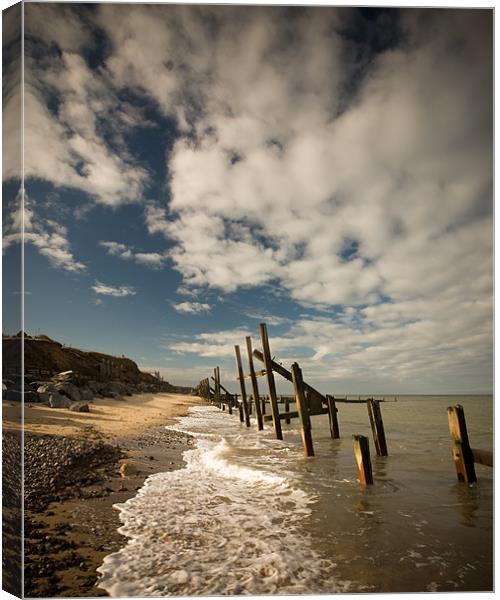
(68, 536)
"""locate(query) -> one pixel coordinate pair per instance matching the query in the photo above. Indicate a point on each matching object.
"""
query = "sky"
(192, 171)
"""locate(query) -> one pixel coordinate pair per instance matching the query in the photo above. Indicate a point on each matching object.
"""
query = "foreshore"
(77, 466)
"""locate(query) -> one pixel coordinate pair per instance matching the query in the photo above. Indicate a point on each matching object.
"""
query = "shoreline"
(68, 536)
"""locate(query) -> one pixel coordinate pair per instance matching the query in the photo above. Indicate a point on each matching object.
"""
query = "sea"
(250, 514)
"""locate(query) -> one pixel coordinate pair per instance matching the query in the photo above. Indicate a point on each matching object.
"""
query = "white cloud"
(79, 144)
(117, 292)
(154, 260)
(276, 182)
(48, 236)
(195, 308)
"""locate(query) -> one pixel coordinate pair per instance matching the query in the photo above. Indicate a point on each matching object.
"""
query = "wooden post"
(462, 453)
(377, 425)
(216, 390)
(255, 385)
(270, 381)
(362, 456)
(242, 385)
(240, 409)
(332, 417)
(304, 417)
(287, 410)
(263, 405)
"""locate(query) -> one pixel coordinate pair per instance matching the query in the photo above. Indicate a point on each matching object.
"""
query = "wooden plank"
(362, 457)
(242, 385)
(461, 450)
(377, 426)
(304, 417)
(259, 373)
(270, 381)
(483, 457)
(314, 397)
(255, 386)
(332, 418)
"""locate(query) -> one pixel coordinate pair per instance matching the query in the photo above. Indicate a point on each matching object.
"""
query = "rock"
(64, 376)
(31, 396)
(57, 400)
(80, 407)
(127, 470)
(43, 396)
(86, 394)
(70, 390)
(45, 388)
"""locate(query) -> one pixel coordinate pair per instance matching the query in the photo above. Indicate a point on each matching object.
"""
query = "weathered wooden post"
(305, 419)
(377, 426)
(287, 410)
(255, 385)
(462, 453)
(362, 456)
(270, 381)
(242, 385)
(332, 417)
(263, 405)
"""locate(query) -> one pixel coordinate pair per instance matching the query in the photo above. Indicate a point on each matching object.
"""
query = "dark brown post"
(226, 398)
(216, 389)
(242, 385)
(332, 417)
(305, 419)
(287, 410)
(462, 453)
(377, 425)
(270, 381)
(362, 456)
(255, 385)
(263, 405)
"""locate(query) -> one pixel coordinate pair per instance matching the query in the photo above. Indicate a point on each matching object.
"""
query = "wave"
(216, 526)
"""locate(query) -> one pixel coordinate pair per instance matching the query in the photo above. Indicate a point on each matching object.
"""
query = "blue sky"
(193, 171)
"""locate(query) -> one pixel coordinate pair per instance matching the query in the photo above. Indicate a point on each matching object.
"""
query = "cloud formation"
(24, 224)
(195, 308)
(154, 260)
(354, 174)
(77, 141)
(109, 290)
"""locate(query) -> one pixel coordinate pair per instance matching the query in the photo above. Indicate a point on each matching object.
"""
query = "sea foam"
(216, 526)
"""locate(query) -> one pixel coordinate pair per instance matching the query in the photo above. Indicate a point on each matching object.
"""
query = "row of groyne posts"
(309, 402)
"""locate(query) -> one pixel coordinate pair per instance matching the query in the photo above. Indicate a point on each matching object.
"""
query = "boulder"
(45, 388)
(86, 394)
(31, 396)
(43, 396)
(57, 400)
(64, 376)
(80, 407)
(69, 389)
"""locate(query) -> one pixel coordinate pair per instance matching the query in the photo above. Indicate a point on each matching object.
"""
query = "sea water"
(249, 514)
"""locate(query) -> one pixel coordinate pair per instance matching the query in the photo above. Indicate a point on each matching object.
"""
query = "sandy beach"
(70, 522)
